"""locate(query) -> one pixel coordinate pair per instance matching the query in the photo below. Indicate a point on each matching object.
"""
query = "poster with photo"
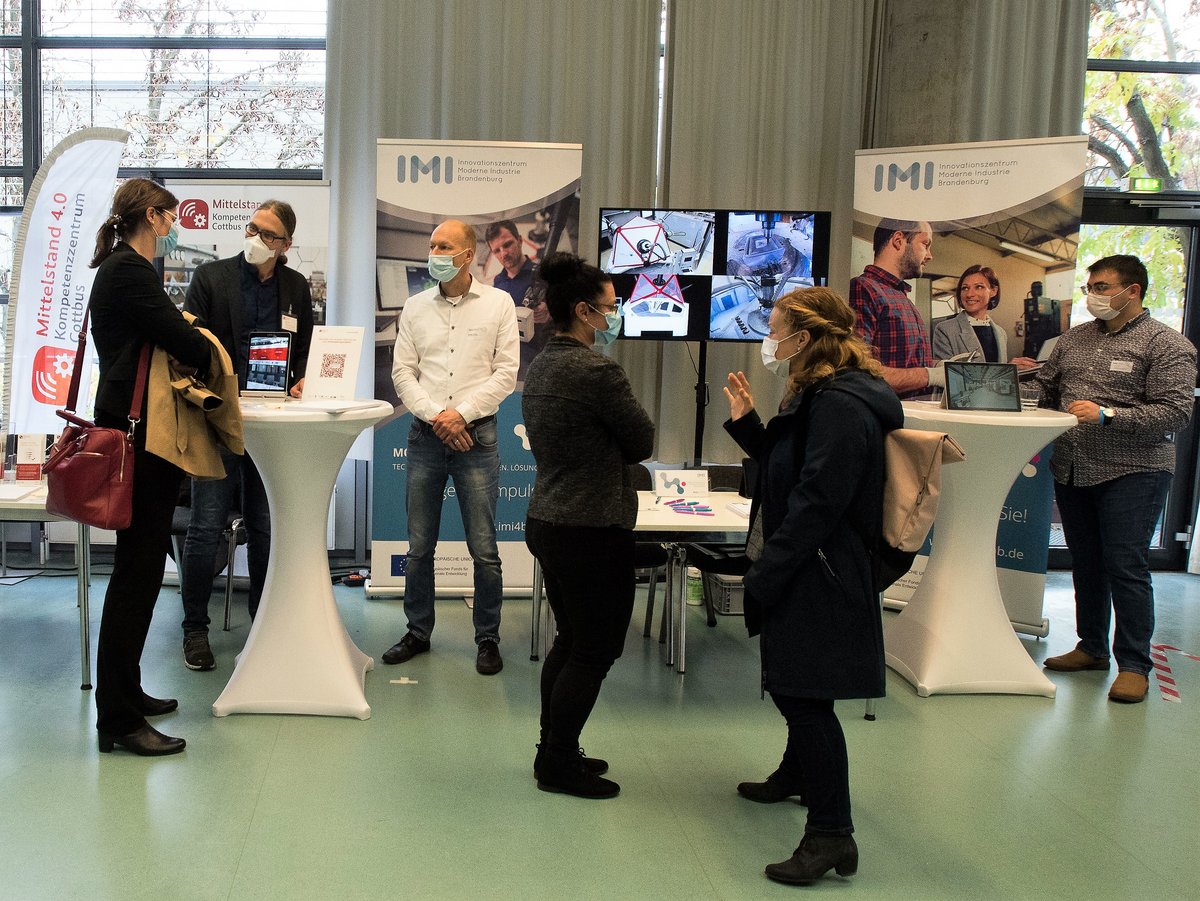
(522, 199)
(1010, 210)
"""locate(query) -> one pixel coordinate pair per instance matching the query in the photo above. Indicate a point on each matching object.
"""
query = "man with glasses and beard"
(251, 292)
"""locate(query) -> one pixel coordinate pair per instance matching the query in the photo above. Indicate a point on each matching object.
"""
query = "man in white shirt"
(456, 358)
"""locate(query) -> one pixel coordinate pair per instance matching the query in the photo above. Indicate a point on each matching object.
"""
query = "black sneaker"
(197, 654)
(488, 661)
(405, 649)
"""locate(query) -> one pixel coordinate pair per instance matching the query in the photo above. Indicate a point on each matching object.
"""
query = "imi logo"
(439, 169)
(918, 177)
(193, 214)
(52, 367)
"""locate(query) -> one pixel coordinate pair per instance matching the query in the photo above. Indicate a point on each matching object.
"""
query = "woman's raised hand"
(741, 401)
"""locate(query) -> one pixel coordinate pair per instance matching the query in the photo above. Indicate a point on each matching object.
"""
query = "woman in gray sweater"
(585, 427)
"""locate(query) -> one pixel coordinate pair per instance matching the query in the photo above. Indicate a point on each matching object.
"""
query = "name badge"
(1121, 366)
(289, 323)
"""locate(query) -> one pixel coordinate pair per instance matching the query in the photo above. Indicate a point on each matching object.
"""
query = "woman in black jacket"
(585, 427)
(817, 513)
(130, 310)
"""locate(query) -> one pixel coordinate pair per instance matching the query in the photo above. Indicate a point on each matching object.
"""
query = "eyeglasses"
(174, 218)
(1099, 288)
(268, 237)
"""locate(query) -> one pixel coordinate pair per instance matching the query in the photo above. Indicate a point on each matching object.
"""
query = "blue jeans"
(1108, 528)
(212, 502)
(476, 475)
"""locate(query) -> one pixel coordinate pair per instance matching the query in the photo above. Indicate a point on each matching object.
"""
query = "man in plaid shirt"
(885, 317)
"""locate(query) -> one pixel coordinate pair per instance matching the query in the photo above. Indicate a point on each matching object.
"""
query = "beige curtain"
(521, 70)
(766, 100)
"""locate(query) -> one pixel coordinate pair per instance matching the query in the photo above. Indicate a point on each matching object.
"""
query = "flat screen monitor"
(709, 275)
(982, 386)
(267, 364)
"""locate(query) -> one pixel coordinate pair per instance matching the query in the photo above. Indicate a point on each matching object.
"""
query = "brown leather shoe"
(1129, 688)
(1075, 661)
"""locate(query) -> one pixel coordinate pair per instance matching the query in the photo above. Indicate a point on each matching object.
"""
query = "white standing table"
(954, 635)
(298, 656)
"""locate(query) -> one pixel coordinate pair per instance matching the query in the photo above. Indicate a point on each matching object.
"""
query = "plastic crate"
(726, 593)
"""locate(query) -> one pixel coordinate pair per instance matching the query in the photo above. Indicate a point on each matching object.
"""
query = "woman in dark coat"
(585, 427)
(809, 593)
(129, 309)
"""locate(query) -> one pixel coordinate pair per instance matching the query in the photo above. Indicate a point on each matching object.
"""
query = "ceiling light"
(1028, 252)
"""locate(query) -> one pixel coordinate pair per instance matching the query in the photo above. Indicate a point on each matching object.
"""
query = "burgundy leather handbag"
(89, 473)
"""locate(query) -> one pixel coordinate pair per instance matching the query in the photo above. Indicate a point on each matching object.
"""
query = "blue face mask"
(164, 244)
(612, 322)
(442, 266)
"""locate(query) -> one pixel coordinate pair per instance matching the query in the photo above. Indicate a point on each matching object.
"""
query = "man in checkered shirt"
(1129, 380)
(885, 317)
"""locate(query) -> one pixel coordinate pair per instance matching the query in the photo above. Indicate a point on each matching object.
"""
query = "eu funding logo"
(193, 214)
(438, 169)
(918, 177)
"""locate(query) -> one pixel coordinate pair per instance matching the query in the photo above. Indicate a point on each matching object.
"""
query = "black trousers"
(137, 576)
(589, 581)
(815, 759)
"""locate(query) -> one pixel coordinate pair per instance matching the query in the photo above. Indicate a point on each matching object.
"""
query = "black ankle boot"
(778, 787)
(569, 775)
(816, 856)
(593, 765)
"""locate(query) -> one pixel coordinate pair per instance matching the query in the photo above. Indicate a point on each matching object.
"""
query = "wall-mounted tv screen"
(709, 275)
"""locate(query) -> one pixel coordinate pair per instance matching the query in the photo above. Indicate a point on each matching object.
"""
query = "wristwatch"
(1107, 415)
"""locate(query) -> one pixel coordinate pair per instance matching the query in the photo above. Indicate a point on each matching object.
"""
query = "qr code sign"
(333, 366)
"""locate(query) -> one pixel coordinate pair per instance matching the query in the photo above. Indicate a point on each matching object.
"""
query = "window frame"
(31, 43)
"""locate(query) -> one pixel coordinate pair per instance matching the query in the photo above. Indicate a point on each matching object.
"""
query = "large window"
(1142, 107)
(199, 84)
(202, 86)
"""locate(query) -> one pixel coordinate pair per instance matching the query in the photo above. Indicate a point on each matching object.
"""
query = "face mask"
(256, 251)
(1100, 305)
(769, 348)
(442, 267)
(609, 334)
(164, 244)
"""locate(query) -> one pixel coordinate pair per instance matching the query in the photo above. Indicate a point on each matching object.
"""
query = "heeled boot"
(146, 742)
(816, 856)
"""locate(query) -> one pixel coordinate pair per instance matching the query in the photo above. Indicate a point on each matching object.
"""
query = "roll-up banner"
(1012, 206)
(51, 279)
(528, 194)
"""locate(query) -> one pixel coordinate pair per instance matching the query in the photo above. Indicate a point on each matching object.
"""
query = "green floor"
(433, 797)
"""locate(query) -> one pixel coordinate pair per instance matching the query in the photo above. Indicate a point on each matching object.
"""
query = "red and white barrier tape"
(1167, 686)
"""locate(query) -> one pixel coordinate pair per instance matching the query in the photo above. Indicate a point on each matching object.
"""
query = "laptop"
(268, 365)
(982, 386)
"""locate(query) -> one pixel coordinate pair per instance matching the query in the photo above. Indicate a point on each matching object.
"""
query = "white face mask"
(256, 252)
(769, 348)
(1100, 305)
